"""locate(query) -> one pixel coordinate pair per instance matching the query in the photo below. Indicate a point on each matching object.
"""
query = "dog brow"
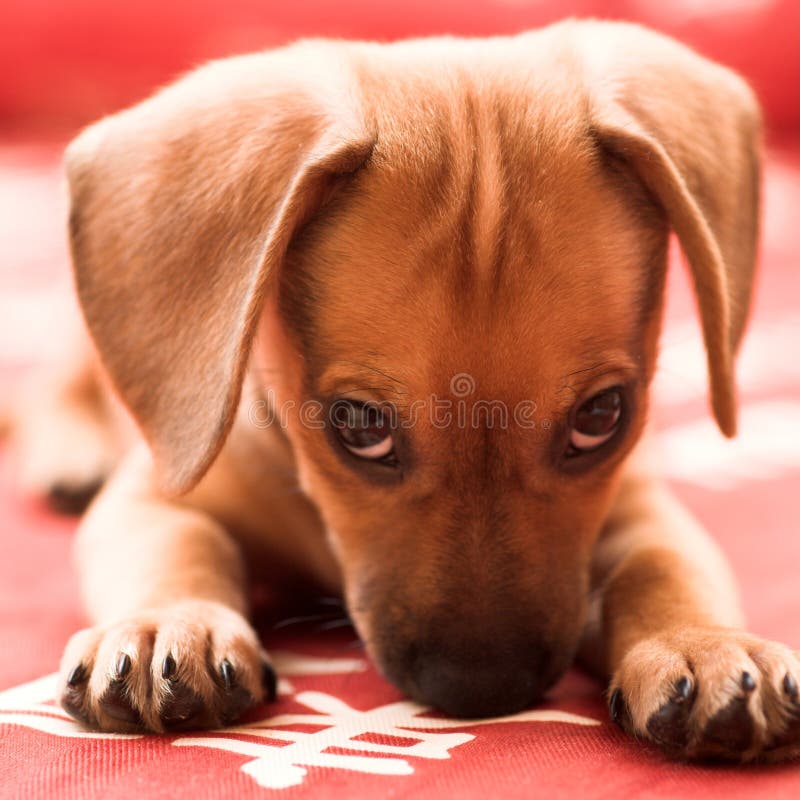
(594, 367)
(374, 369)
(586, 374)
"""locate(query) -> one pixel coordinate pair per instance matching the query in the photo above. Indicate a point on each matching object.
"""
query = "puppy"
(364, 236)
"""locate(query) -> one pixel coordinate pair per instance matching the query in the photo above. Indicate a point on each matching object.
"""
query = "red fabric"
(63, 64)
(750, 507)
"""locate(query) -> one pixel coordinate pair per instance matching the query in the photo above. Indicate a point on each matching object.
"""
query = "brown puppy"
(369, 237)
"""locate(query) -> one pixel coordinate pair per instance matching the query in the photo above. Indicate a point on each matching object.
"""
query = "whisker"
(285, 623)
(336, 623)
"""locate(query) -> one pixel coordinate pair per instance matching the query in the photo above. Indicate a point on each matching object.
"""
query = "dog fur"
(338, 219)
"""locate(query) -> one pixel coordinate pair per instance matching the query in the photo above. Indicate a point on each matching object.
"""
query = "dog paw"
(192, 665)
(713, 693)
(64, 454)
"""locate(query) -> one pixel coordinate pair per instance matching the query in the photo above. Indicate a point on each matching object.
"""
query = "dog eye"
(596, 421)
(363, 429)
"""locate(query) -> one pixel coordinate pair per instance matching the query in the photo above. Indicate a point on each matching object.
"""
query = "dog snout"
(465, 685)
(486, 691)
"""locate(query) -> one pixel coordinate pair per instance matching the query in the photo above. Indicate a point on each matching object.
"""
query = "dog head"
(450, 257)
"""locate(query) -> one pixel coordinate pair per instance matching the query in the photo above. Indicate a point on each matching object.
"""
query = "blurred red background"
(65, 63)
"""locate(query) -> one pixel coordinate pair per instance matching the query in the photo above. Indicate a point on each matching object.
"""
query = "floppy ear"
(182, 209)
(691, 131)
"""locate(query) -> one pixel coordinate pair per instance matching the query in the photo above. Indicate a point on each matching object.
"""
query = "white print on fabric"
(277, 765)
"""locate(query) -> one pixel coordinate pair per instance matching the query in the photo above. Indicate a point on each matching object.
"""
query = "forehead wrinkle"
(455, 180)
(464, 227)
(495, 157)
(491, 179)
(422, 176)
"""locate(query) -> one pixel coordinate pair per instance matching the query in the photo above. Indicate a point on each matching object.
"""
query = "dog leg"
(165, 584)
(685, 675)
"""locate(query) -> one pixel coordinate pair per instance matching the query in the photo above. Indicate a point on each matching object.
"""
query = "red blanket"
(338, 730)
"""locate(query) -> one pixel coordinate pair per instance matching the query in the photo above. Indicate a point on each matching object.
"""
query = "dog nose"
(469, 690)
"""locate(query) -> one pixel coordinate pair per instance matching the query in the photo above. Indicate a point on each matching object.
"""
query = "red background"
(64, 63)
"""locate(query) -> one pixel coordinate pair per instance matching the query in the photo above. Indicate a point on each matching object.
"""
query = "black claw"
(78, 675)
(123, 666)
(683, 690)
(731, 728)
(615, 705)
(748, 682)
(228, 674)
(72, 703)
(269, 680)
(182, 709)
(790, 685)
(168, 668)
(116, 704)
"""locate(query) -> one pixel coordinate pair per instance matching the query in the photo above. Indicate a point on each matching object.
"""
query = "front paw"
(192, 665)
(710, 693)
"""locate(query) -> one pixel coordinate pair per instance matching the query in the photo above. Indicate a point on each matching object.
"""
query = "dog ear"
(182, 209)
(690, 129)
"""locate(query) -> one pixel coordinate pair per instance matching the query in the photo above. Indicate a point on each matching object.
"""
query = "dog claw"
(78, 675)
(72, 703)
(168, 668)
(683, 690)
(269, 680)
(228, 674)
(123, 666)
(615, 704)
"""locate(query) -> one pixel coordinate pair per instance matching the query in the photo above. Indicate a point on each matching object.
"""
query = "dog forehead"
(486, 235)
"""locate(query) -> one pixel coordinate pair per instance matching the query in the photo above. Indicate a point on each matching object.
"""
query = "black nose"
(464, 688)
